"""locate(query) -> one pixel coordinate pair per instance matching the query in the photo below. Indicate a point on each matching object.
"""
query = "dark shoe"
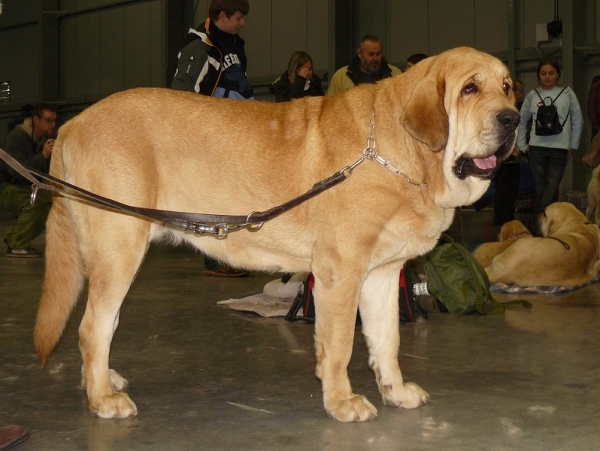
(11, 436)
(28, 252)
(225, 271)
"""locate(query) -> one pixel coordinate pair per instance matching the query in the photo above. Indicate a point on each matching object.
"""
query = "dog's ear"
(424, 115)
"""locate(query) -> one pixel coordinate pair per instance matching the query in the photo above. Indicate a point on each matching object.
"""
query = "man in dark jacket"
(213, 63)
(30, 144)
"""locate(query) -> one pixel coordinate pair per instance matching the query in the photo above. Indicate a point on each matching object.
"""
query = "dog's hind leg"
(379, 313)
(112, 265)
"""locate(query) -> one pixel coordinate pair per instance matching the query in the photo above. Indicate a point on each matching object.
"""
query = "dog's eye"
(469, 89)
(507, 88)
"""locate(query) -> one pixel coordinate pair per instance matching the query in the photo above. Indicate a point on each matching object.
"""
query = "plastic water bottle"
(420, 289)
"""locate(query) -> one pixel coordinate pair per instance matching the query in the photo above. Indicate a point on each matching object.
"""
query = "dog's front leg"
(379, 312)
(336, 303)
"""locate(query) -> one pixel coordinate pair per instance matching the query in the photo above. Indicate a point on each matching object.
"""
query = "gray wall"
(74, 52)
(80, 50)
(108, 50)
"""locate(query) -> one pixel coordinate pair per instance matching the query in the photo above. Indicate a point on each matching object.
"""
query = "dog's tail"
(64, 275)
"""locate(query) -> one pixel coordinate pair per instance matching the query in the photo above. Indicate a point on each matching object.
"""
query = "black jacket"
(283, 90)
(358, 77)
(204, 58)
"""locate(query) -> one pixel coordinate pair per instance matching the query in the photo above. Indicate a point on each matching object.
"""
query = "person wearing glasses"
(31, 144)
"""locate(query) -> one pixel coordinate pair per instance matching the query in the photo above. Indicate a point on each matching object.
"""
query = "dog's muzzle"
(484, 168)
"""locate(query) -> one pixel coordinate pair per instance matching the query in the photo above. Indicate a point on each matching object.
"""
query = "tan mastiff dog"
(509, 233)
(567, 255)
(442, 127)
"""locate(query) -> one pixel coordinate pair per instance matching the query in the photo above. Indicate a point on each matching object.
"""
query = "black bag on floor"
(304, 300)
(410, 309)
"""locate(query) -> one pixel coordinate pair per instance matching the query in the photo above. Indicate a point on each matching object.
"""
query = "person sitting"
(298, 80)
(368, 66)
(30, 144)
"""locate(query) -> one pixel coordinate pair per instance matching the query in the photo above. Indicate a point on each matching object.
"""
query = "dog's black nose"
(509, 118)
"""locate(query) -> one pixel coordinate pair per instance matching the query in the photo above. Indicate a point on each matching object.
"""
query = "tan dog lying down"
(444, 125)
(567, 255)
(509, 233)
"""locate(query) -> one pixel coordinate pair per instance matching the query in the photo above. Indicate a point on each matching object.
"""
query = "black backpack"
(547, 122)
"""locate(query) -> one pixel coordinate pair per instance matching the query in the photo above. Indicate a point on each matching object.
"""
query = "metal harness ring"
(253, 227)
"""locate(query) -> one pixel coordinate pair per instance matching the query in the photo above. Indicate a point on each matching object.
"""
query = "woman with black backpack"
(555, 132)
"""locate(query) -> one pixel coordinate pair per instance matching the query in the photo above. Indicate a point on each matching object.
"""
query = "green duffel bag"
(459, 281)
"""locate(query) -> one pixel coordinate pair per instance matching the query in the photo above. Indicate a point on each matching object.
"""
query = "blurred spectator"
(298, 80)
(369, 66)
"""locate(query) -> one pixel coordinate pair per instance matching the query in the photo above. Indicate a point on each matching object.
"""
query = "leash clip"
(34, 190)
(221, 231)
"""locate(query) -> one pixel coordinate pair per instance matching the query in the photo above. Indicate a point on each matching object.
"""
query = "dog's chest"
(408, 234)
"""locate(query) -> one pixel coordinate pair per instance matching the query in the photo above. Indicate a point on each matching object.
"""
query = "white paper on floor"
(275, 300)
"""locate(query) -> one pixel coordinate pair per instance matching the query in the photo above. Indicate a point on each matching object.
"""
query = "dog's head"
(463, 105)
(559, 217)
(513, 230)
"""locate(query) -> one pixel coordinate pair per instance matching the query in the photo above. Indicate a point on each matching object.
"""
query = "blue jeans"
(547, 168)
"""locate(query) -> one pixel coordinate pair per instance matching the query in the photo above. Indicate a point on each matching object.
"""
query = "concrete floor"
(206, 377)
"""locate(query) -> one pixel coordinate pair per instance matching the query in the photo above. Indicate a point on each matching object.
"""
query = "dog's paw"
(117, 405)
(355, 408)
(408, 395)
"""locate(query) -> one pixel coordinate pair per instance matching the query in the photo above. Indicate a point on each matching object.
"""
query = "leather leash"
(200, 223)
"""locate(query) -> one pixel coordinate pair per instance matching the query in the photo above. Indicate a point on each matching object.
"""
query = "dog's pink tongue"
(485, 163)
